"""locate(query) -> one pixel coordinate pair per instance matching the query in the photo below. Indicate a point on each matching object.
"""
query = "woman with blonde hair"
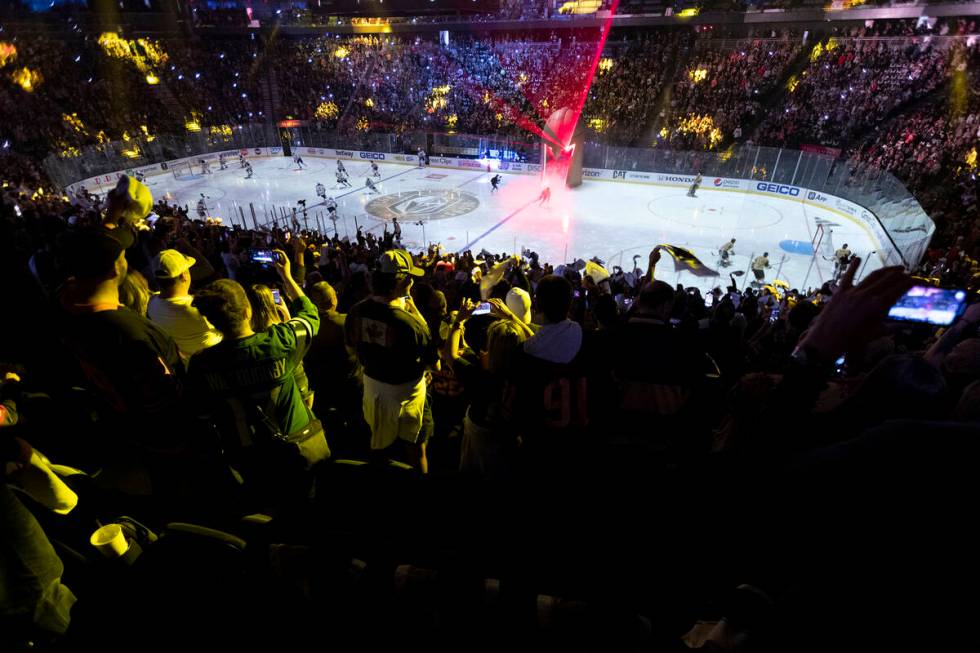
(265, 313)
(265, 310)
(134, 292)
(487, 446)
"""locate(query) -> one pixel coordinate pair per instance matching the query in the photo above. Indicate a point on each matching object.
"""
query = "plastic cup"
(110, 541)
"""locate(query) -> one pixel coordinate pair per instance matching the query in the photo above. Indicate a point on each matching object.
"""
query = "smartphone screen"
(263, 256)
(276, 297)
(482, 309)
(929, 305)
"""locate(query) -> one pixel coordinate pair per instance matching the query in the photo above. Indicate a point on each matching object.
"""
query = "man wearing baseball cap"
(131, 363)
(395, 348)
(172, 309)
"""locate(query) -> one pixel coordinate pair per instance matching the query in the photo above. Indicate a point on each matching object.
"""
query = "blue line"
(470, 244)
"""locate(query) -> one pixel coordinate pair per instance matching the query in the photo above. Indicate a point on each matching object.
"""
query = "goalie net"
(182, 170)
(822, 242)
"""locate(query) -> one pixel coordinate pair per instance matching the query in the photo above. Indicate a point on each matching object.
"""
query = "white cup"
(110, 541)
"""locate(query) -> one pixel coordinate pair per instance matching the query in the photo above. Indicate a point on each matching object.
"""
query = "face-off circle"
(422, 205)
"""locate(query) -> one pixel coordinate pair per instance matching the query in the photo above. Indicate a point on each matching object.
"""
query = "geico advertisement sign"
(779, 189)
(372, 155)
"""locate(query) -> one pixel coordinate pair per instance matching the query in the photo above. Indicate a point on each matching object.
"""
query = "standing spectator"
(248, 384)
(559, 338)
(548, 386)
(657, 366)
(395, 348)
(172, 308)
(134, 292)
(488, 444)
(333, 371)
(147, 442)
(132, 362)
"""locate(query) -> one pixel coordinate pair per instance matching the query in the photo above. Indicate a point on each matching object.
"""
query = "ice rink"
(615, 221)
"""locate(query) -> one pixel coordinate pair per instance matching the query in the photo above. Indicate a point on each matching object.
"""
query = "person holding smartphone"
(249, 385)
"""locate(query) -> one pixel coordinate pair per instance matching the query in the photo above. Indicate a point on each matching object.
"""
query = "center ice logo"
(423, 204)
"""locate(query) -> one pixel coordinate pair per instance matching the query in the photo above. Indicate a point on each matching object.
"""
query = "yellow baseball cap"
(170, 264)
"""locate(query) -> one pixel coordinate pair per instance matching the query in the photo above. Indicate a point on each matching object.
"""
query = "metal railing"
(904, 233)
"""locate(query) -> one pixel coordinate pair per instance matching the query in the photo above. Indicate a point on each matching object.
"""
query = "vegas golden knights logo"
(423, 204)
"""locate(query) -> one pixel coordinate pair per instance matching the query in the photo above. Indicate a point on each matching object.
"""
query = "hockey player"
(396, 230)
(370, 185)
(340, 167)
(248, 170)
(298, 160)
(321, 191)
(202, 207)
(342, 179)
(140, 177)
(694, 187)
(545, 196)
(494, 183)
(841, 258)
(421, 157)
(205, 167)
(374, 169)
(331, 205)
(241, 160)
(726, 251)
(222, 164)
(759, 266)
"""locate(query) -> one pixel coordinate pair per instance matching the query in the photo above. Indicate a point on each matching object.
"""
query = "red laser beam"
(569, 126)
(521, 120)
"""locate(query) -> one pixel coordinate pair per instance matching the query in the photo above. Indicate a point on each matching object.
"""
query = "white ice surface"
(611, 220)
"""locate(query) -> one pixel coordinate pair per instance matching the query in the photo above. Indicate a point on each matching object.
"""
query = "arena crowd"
(193, 372)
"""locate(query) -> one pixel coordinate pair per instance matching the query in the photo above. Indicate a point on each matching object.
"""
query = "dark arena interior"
(482, 325)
